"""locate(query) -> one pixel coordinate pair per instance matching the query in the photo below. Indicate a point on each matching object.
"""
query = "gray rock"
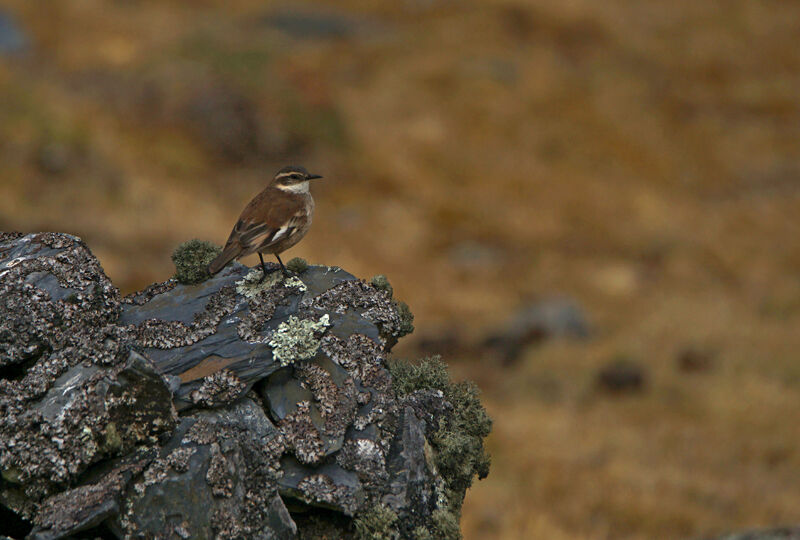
(321, 24)
(13, 38)
(550, 318)
(216, 477)
(783, 533)
(622, 376)
(225, 409)
(71, 392)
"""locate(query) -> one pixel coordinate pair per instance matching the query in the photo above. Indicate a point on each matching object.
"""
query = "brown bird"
(275, 220)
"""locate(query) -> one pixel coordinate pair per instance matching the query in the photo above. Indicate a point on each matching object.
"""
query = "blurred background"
(593, 209)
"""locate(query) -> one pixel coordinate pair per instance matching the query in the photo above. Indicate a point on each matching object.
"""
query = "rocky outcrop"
(229, 408)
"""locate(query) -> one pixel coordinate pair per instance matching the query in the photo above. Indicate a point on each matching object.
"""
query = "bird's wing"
(269, 218)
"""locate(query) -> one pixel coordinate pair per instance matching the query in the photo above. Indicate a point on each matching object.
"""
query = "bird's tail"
(228, 254)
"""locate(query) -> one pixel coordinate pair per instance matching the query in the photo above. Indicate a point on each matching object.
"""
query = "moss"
(72, 299)
(297, 339)
(421, 533)
(377, 523)
(297, 265)
(446, 524)
(458, 441)
(406, 318)
(381, 282)
(192, 259)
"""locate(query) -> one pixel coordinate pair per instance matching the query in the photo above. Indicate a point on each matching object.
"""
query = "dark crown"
(293, 174)
(291, 170)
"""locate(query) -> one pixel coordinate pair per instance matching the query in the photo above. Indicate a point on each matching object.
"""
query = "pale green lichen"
(297, 339)
(192, 259)
(377, 523)
(251, 284)
(112, 441)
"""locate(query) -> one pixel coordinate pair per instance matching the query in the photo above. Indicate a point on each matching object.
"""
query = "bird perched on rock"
(275, 220)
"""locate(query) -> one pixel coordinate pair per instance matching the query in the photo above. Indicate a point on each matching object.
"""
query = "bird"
(275, 220)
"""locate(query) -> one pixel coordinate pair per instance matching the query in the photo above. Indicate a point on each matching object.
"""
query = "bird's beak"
(313, 176)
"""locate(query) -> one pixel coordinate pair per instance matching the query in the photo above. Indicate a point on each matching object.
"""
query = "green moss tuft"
(191, 260)
(446, 524)
(377, 523)
(406, 318)
(458, 442)
(421, 533)
(297, 265)
(382, 282)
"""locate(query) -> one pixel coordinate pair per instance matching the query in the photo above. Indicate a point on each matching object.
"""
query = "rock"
(622, 376)
(695, 360)
(783, 533)
(550, 318)
(326, 24)
(12, 38)
(53, 158)
(216, 477)
(227, 408)
(71, 391)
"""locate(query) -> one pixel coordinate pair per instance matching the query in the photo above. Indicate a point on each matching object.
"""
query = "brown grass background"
(642, 158)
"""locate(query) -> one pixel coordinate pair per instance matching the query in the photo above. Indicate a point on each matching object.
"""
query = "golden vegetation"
(641, 157)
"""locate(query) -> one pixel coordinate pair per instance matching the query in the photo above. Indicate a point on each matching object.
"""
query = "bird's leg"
(285, 271)
(263, 269)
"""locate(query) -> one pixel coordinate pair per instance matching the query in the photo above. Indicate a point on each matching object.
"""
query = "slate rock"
(71, 392)
(781, 533)
(215, 478)
(13, 38)
(230, 408)
(621, 376)
(556, 317)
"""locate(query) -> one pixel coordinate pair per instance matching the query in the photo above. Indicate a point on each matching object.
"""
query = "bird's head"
(294, 179)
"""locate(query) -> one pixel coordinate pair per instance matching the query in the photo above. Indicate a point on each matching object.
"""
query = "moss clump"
(377, 523)
(406, 318)
(382, 282)
(459, 439)
(421, 533)
(446, 524)
(297, 339)
(297, 265)
(192, 259)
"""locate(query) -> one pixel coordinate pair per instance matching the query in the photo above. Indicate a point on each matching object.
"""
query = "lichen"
(297, 339)
(377, 523)
(218, 388)
(251, 285)
(382, 282)
(458, 441)
(297, 265)
(192, 259)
